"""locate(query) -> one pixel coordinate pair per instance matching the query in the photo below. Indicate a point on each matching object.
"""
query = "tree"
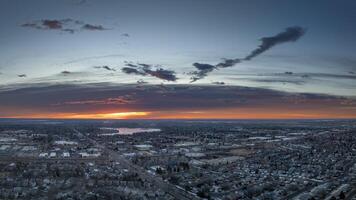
(174, 180)
(159, 170)
(204, 193)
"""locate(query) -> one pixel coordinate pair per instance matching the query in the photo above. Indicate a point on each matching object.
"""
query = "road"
(177, 193)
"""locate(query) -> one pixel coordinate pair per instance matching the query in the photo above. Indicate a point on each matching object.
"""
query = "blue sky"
(172, 35)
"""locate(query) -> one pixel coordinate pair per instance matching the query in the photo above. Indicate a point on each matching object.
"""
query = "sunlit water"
(128, 131)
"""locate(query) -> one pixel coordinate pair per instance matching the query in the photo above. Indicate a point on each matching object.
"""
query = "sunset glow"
(216, 114)
(120, 115)
(94, 60)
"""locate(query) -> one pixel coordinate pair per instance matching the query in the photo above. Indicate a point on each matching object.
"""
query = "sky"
(160, 59)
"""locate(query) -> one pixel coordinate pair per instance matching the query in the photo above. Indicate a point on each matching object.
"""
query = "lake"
(127, 131)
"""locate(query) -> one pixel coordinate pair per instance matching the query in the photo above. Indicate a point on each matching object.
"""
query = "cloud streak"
(63, 25)
(202, 71)
(105, 67)
(218, 83)
(91, 27)
(108, 101)
(149, 70)
(291, 34)
(66, 72)
(84, 59)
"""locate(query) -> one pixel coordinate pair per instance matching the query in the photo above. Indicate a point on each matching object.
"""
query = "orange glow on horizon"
(256, 116)
(116, 115)
(209, 114)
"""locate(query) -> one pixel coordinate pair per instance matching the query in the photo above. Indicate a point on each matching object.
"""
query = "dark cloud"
(218, 83)
(52, 24)
(163, 74)
(65, 72)
(113, 97)
(64, 25)
(105, 67)
(288, 73)
(228, 62)
(128, 70)
(59, 76)
(131, 65)
(147, 66)
(91, 27)
(149, 70)
(22, 75)
(203, 67)
(202, 71)
(48, 24)
(69, 30)
(125, 35)
(291, 34)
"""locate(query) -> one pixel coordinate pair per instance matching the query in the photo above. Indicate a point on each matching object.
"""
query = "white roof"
(63, 142)
(66, 154)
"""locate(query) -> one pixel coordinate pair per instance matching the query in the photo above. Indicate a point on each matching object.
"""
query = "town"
(177, 159)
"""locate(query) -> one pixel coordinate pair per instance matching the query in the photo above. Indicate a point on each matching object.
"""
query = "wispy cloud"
(65, 72)
(129, 70)
(283, 81)
(105, 67)
(291, 34)
(228, 62)
(202, 71)
(326, 75)
(149, 70)
(109, 101)
(91, 27)
(218, 83)
(63, 25)
(83, 59)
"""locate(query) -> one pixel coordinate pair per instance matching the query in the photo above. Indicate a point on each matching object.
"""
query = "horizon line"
(158, 119)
